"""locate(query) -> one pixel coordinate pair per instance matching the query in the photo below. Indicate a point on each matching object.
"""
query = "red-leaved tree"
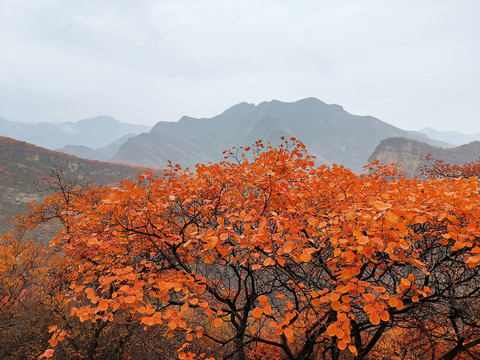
(273, 255)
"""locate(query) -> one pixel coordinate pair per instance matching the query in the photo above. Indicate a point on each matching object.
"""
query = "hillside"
(328, 131)
(406, 153)
(23, 164)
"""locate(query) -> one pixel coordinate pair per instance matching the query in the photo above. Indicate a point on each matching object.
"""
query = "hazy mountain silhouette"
(452, 137)
(97, 132)
(328, 131)
(104, 153)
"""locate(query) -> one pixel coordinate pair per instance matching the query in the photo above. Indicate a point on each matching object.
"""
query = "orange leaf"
(262, 299)
(374, 318)
(362, 240)
(48, 353)
(369, 297)
(53, 342)
(420, 219)
(257, 313)
(268, 262)
(103, 305)
(353, 349)
(305, 257)
(331, 330)
(393, 302)
(384, 315)
(130, 299)
(267, 310)
(334, 296)
(209, 259)
(90, 293)
(336, 305)
(381, 206)
(288, 333)
(349, 256)
(52, 328)
(193, 301)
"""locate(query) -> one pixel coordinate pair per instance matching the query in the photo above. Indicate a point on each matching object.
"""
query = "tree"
(273, 253)
(439, 169)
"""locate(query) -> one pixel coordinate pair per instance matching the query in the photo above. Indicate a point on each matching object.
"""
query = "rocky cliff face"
(406, 153)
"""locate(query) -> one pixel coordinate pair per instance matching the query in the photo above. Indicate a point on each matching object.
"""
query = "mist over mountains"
(95, 133)
(452, 137)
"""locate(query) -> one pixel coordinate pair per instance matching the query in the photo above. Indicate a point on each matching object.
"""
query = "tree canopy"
(264, 254)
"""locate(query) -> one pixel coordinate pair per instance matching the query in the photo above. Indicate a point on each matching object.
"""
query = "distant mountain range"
(328, 131)
(406, 153)
(94, 133)
(23, 164)
(104, 153)
(452, 137)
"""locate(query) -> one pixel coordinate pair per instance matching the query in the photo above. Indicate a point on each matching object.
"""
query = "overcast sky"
(411, 63)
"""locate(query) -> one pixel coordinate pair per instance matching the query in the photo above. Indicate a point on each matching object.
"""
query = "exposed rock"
(406, 153)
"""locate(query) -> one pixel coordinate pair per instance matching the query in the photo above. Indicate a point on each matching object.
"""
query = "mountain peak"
(239, 108)
(327, 131)
(95, 121)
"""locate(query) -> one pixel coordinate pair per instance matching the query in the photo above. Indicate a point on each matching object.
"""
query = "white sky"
(411, 63)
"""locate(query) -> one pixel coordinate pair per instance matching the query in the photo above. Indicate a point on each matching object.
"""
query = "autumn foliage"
(265, 256)
(439, 169)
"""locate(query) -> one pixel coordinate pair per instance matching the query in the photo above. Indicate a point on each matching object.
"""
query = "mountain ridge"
(328, 131)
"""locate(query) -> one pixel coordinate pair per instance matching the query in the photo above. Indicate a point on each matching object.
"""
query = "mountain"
(406, 153)
(104, 153)
(23, 164)
(453, 137)
(94, 133)
(328, 131)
